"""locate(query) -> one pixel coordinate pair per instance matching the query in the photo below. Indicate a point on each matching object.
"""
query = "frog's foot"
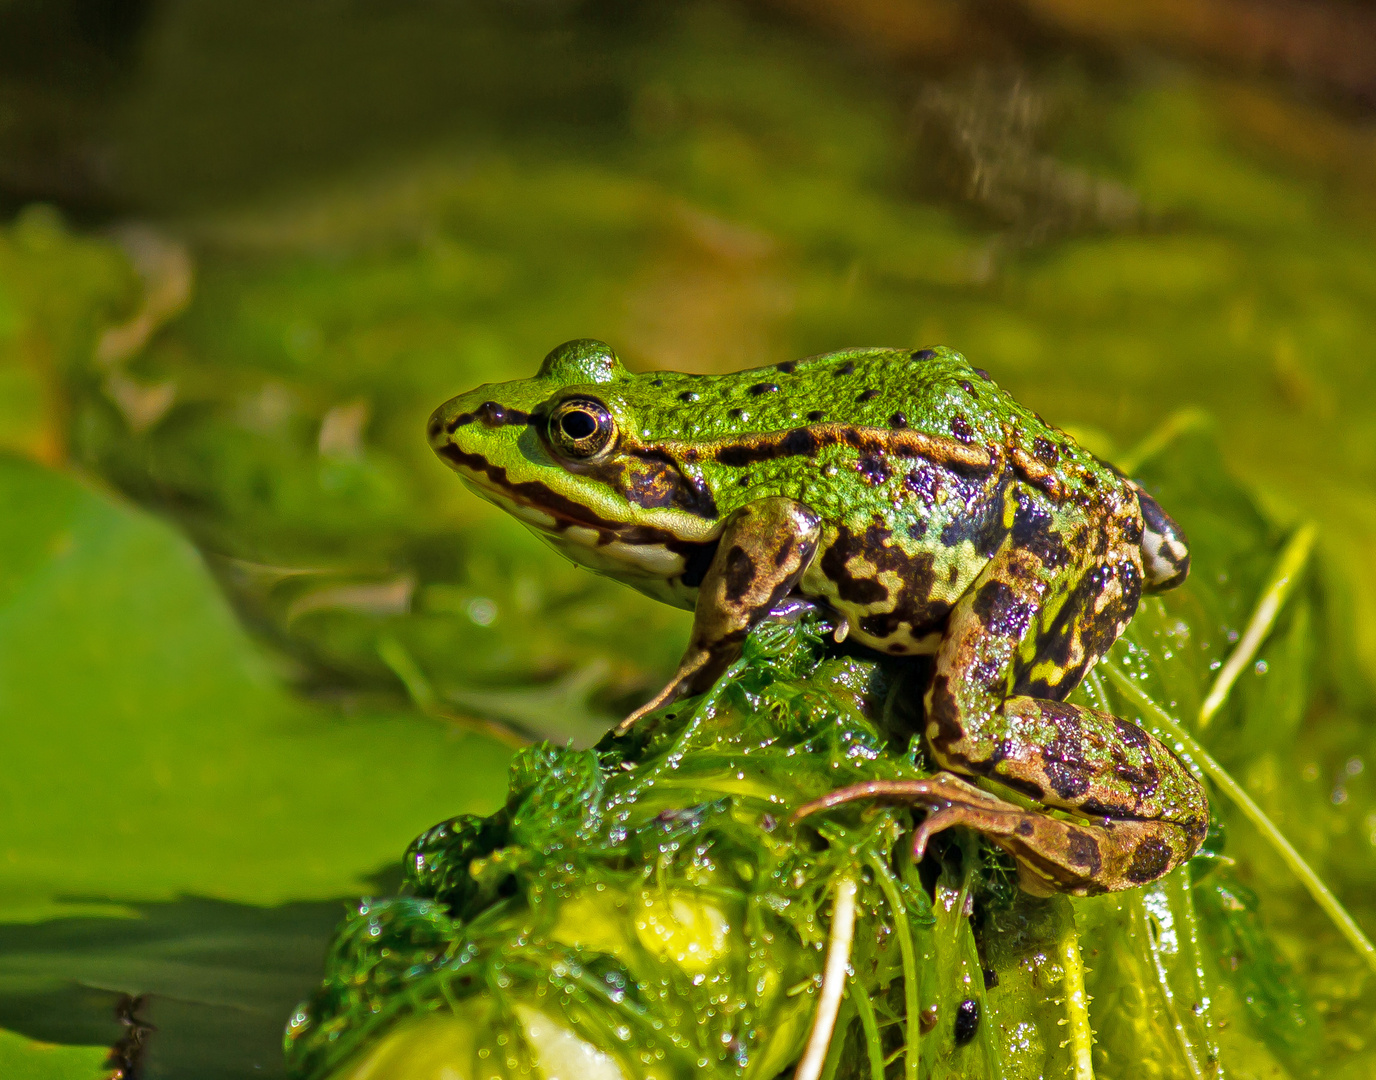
(689, 671)
(1053, 855)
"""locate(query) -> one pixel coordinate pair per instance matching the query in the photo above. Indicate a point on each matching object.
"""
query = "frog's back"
(935, 391)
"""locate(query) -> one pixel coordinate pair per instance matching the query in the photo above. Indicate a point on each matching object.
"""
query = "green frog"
(927, 513)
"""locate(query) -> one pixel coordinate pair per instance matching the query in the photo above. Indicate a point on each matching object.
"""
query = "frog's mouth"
(546, 510)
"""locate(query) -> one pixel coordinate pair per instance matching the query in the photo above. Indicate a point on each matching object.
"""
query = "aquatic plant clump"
(647, 909)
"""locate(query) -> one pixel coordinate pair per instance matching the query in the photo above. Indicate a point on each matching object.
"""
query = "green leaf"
(149, 750)
(22, 1059)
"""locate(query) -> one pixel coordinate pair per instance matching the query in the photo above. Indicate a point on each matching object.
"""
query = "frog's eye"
(580, 428)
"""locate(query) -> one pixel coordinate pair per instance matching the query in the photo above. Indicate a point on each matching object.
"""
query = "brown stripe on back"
(807, 441)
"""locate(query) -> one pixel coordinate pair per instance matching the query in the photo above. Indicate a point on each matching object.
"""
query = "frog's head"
(565, 452)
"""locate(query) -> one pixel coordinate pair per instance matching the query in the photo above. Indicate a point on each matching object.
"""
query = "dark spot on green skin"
(1084, 851)
(967, 386)
(848, 368)
(687, 396)
(1149, 861)
(763, 388)
(924, 354)
(981, 519)
(867, 395)
(1063, 760)
(744, 481)
(787, 367)
(983, 374)
(816, 416)
(991, 978)
(918, 529)
(898, 421)
(967, 1021)
(657, 383)
(874, 469)
(738, 574)
(1034, 532)
(736, 414)
(960, 428)
(924, 482)
(1001, 611)
(1045, 451)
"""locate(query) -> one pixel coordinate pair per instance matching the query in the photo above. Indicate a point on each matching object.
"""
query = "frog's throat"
(542, 508)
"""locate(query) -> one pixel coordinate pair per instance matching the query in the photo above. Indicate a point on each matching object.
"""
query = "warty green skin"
(921, 505)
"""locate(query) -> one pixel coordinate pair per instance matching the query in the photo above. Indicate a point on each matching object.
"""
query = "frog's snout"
(434, 429)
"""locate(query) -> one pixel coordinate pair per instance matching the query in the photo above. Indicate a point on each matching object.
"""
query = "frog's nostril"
(435, 426)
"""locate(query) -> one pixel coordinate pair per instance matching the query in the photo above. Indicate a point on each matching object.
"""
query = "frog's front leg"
(764, 548)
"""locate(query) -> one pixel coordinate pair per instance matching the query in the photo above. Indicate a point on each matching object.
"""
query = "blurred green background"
(253, 637)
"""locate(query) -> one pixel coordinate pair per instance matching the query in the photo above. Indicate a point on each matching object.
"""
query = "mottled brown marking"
(1150, 859)
(739, 573)
(1047, 452)
(1083, 851)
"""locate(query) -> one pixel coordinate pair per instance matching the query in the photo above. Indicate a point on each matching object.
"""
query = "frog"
(928, 514)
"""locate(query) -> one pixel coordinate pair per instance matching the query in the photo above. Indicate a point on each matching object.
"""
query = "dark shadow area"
(217, 982)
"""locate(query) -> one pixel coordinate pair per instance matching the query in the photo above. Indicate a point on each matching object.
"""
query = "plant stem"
(1077, 1004)
(912, 1002)
(1205, 762)
(874, 1048)
(833, 981)
(1287, 571)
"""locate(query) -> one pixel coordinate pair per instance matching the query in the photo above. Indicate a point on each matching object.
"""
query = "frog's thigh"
(765, 546)
(992, 711)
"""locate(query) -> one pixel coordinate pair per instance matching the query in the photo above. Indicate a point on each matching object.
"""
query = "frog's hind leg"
(765, 546)
(1019, 640)
(1052, 854)
(1017, 643)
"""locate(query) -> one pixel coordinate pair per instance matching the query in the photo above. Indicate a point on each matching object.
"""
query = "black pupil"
(578, 424)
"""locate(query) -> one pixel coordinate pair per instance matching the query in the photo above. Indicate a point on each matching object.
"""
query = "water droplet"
(481, 611)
